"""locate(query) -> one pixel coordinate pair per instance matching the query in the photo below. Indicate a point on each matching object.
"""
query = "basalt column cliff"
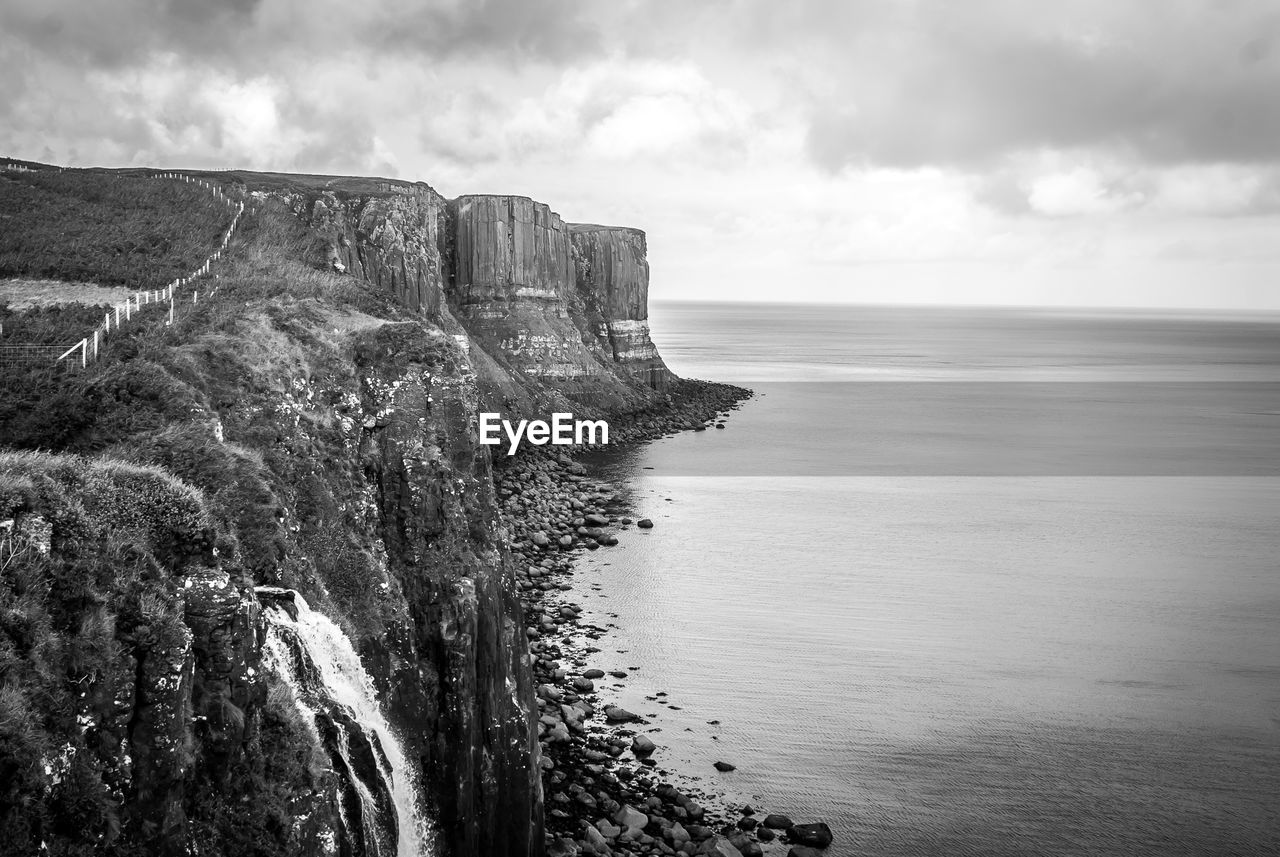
(549, 301)
(613, 279)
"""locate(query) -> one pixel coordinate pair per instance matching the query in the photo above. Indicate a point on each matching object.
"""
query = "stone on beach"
(642, 746)
(618, 714)
(725, 767)
(644, 524)
(632, 819)
(817, 835)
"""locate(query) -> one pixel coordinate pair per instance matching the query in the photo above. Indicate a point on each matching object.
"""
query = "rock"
(566, 541)
(583, 685)
(596, 520)
(718, 846)
(817, 834)
(698, 832)
(563, 847)
(642, 746)
(540, 539)
(596, 840)
(632, 819)
(745, 846)
(747, 823)
(644, 524)
(777, 822)
(593, 673)
(764, 834)
(618, 714)
(724, 767)
(805, 851)
(607, 830)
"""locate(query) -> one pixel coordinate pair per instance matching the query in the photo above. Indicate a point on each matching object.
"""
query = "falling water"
(331, 687)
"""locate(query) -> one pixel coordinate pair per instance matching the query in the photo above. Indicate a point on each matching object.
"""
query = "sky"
(1108, 153)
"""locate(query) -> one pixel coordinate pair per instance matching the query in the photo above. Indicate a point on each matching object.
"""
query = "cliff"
(561, 309)
(613, 278)
(316, 416)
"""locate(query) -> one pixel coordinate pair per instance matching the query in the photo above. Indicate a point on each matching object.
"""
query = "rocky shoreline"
(603, 792)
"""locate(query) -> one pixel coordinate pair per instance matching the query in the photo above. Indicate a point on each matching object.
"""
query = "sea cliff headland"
(313, 397)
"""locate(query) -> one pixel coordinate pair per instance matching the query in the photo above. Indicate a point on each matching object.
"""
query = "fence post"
(195, 296)
(95, 345)
(170, 321)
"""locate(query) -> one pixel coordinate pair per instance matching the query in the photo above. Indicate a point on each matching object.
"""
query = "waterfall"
(380, 806)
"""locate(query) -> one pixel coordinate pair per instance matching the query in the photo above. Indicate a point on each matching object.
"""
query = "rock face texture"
(613, 280)
(545, 299)
(394, 240)
(513, 286)
(507, 248)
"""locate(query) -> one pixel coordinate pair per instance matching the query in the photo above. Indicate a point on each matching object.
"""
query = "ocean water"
(964, 581)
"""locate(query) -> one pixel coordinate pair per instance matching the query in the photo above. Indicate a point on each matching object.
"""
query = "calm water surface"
(1045, 659)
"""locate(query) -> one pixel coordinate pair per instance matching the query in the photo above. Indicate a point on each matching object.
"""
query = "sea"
(963, 581)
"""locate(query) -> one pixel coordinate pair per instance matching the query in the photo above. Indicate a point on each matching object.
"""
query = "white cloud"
(1078, 192)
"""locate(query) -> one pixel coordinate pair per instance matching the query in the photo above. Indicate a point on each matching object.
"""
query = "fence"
(87, 350)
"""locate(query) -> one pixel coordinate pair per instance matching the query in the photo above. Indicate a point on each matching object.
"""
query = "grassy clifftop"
(104, 228)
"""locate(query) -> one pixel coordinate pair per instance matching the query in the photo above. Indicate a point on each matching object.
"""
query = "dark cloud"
(968, 84)
(254, 35)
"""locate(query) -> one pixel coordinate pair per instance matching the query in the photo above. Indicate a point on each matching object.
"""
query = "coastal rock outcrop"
(613, 280)
(397, 241)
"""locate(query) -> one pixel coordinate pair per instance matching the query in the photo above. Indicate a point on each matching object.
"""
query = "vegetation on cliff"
(105, 642)
(105, 228)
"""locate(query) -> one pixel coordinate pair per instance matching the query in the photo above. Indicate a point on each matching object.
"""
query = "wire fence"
(87, 351)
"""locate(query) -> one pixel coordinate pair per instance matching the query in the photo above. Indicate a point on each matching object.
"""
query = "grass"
(86, 226)
(20, 295)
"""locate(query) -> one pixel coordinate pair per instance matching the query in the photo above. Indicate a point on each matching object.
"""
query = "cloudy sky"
(1089, 152)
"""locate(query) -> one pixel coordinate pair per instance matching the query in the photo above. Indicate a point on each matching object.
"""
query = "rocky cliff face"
(563, 304)
(395, 241)
(613, 278)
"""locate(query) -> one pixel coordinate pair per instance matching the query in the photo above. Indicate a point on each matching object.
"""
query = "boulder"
(632, 819)
(724, 767)
(644, 524)
(596, 840)
(642, 746)
(817, 834)
(777, 822)
(618, 714)
(718, 846)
